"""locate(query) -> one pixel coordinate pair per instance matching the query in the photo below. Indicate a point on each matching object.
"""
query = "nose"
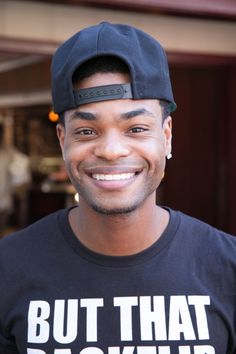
(111, 147)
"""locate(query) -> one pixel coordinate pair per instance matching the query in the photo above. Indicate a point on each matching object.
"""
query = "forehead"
(115, 111)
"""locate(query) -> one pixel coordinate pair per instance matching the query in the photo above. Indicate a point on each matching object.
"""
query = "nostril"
(111, 150)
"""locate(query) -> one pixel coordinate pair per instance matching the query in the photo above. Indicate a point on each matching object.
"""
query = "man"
(116, 274)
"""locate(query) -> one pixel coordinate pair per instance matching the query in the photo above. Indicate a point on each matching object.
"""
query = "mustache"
(134, 166)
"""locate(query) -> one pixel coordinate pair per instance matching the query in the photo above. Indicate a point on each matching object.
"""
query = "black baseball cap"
(143, 54)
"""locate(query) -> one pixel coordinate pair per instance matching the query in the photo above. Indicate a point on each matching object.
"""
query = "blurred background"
(200, 39)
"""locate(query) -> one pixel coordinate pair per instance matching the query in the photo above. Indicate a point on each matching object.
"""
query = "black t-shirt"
(176, 297)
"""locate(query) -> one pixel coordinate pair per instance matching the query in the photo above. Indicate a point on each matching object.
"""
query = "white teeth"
(116, 177)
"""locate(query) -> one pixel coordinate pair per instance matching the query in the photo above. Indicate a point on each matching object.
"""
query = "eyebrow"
(137, 112)
(87, 116)
(83, 115)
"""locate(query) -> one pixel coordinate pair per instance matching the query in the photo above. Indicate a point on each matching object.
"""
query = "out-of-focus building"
(200, 39)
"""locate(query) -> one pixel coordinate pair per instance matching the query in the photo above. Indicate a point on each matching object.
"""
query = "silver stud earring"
(169, 156)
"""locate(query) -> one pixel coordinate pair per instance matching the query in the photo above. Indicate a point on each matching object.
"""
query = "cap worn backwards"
(144, 56)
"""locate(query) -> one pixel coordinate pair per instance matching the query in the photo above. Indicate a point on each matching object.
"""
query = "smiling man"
(116, 274)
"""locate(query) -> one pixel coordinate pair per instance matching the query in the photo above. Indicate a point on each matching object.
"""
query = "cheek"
(154, 154)
(73, 157)
(73, 150)
(76, 157)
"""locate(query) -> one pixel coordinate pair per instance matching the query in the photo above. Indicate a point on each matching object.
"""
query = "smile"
(113, 177)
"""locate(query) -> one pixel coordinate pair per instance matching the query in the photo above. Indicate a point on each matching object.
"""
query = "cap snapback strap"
(102, 93)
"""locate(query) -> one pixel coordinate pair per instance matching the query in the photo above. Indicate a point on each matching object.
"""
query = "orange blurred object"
(53, 117)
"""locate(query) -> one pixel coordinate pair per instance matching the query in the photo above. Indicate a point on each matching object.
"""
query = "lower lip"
(114, 184)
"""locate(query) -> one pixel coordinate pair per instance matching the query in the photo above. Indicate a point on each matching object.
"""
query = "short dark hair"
(107, 64)
(102, 64)
(166, 109)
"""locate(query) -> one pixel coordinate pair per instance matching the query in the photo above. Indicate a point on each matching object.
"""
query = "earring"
(169, 156)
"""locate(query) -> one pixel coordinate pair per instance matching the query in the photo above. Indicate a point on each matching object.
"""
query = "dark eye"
(85, 132)
(137, 130)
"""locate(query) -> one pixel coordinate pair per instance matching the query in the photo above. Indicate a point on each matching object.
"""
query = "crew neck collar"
(117, 261)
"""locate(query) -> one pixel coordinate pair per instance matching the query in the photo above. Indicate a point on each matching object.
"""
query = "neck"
(119, 235)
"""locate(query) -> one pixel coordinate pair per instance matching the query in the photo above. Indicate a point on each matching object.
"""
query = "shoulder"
(203, 229)
(209, 243)
(205, 253)
(32, 238)
(205, 239)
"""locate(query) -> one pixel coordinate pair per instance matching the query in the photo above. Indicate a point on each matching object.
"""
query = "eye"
(85, 131)
(138, 129)
(84, 134)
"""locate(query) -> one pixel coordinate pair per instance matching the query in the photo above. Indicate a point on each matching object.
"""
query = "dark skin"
(115, 154)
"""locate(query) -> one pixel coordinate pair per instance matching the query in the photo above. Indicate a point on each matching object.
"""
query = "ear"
(167, 129)
(61, 137)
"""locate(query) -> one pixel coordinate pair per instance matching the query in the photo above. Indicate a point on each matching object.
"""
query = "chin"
(114, 211)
